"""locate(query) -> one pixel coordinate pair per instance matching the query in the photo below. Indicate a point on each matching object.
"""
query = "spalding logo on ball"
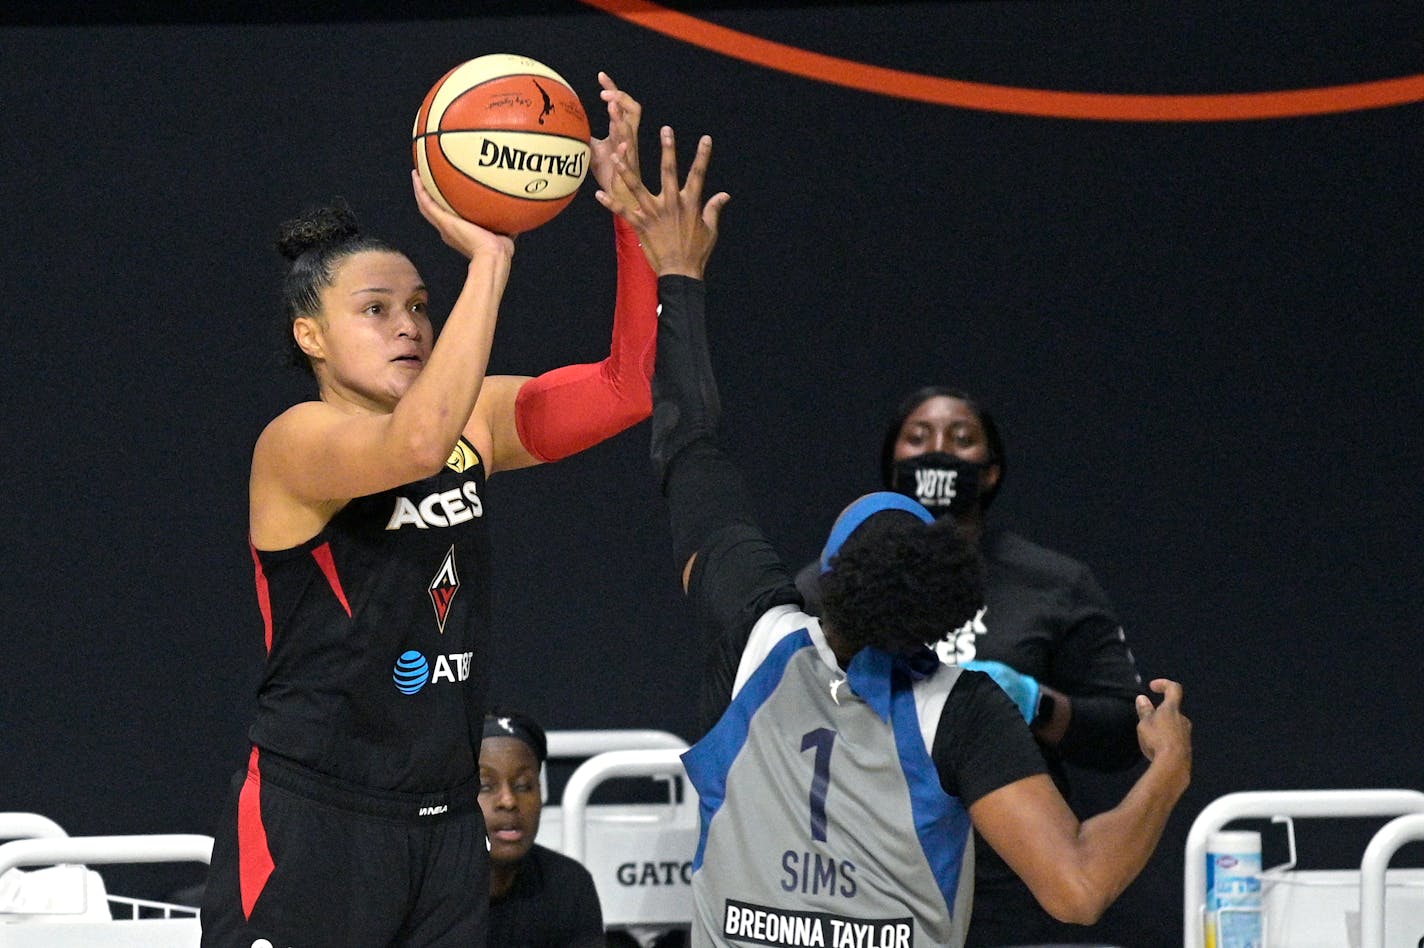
(502, 141)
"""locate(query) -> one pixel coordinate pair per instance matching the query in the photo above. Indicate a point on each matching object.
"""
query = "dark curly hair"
(917, 398)
(316, 243)
(900, 584)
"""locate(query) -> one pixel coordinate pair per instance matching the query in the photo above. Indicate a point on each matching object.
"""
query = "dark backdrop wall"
(1202, 338)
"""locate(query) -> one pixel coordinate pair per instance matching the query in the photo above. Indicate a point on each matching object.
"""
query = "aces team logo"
(443, 508)
(443, 588)
(463, 458)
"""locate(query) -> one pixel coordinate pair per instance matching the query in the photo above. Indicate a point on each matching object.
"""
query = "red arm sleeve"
(566, 410)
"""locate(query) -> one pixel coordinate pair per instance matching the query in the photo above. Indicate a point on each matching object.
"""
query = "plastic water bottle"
(1233, 890)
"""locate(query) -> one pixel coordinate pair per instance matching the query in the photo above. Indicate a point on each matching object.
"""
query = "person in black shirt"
(538, 898)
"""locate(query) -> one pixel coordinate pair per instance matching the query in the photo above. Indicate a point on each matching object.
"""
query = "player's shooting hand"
(470, 239)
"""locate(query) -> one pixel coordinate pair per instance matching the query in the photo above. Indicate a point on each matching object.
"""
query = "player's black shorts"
(305, 861)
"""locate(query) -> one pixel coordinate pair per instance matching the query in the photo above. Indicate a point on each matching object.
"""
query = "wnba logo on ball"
(411, 672)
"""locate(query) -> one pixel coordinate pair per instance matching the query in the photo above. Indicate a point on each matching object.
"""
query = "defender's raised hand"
(677, 230)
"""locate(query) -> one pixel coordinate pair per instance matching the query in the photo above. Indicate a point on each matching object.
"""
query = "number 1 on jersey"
(821, 739)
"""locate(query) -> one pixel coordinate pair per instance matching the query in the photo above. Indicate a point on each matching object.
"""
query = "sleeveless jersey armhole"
(773, 626)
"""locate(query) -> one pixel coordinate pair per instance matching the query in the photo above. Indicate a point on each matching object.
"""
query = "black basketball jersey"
(375, 627)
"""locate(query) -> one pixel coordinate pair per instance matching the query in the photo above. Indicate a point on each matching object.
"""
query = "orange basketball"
(502, 141)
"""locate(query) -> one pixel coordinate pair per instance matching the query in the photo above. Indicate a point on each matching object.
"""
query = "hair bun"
(329, 224)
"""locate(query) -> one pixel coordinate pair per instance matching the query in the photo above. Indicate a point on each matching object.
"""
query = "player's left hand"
(624, 115)
(1023, 689)
(676, 228)
(1164, 731)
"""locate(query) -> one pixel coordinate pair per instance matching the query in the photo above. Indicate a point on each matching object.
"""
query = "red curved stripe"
(1236, 106)
(254, 856)
(327, 562)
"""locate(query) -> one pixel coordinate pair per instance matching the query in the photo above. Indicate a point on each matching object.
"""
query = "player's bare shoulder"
(281, 513)
(287, 433)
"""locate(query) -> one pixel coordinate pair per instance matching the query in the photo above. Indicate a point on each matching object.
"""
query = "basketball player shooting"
(356, 820)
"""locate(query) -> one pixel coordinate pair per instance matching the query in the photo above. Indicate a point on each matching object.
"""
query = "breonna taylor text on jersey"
(823, 819)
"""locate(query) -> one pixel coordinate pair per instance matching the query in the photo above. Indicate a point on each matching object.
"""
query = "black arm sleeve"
(1094, 667)
(736, 575)
(982, 742)
(686, 405)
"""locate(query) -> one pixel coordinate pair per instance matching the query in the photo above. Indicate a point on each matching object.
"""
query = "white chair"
(639, 854)
(1320, 908)
(1374, 872)
(61, 893)
(64, 904)
(29, 826)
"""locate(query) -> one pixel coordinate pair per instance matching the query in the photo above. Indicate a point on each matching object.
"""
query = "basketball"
(502, 141)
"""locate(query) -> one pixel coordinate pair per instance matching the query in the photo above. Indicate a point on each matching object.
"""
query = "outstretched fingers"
(625, 114)
(712, 213)
(677, 230)
(697, 171)
(697, 180)
(629, 198)
(624, 111)
(667, 166)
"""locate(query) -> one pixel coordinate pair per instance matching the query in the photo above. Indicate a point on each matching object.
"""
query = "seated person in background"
(538, 898)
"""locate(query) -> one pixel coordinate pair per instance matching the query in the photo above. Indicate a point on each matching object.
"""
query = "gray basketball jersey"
(823, 821)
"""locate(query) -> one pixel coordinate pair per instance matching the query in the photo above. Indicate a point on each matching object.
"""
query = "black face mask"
(945, 484)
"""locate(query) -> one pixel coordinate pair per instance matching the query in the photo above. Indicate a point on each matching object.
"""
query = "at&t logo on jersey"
(444, 508)
(413, 670)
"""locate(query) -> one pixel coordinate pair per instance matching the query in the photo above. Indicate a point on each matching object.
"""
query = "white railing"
(1383, 845)
(607, 766)
(95, 850)
(29, 826)
(1272, 804)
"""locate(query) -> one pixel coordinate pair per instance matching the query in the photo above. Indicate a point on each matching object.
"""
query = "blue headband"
(861, 510)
